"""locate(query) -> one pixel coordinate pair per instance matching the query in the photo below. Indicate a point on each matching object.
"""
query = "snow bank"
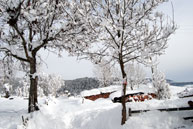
(187, 92)
(103, 114)
(155, 120)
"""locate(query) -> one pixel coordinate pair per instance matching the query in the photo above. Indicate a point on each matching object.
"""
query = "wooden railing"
(164, 109)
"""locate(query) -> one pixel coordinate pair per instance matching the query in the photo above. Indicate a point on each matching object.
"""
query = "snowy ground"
(74, 113)
(11, 112)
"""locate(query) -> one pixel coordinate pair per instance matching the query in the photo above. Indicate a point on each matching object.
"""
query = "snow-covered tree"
(127, 30)
(103, 71)
(26, 26)
(50, 83)
(8, 71)
(135, 74)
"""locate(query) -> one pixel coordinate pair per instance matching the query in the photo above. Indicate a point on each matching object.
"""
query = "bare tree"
(27, 26)
(127, 30)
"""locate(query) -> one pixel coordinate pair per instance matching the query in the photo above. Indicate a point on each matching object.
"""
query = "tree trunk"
(32, 106)
(152, 71)
(124, 118)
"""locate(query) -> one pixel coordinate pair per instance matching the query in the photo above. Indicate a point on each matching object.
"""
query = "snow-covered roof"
(101, 90)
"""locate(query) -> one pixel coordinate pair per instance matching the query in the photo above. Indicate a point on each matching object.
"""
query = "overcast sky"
(177, 63)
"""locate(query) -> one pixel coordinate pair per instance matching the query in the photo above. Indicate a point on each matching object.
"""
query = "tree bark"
(124, 118)
(33, 101)
(124, 75)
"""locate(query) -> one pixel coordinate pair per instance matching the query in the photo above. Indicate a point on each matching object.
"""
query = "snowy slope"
(76, 113)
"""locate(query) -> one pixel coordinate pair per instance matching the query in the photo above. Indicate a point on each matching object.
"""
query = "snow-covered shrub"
(187, 92)
(161, 86)
(7, 88)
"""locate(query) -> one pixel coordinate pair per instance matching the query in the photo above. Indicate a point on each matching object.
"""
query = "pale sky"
(177, 63)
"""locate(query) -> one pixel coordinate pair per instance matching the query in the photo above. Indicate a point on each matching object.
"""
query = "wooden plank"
(188, 118)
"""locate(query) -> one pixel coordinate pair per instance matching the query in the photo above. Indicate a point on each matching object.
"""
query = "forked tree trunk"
(124, 111)
(33, 101)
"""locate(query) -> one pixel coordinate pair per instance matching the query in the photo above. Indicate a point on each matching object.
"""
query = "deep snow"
(78, 113)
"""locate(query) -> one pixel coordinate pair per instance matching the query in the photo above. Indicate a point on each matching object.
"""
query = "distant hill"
(181, 83)
(174, 83)
(171, 82)
(77, 85)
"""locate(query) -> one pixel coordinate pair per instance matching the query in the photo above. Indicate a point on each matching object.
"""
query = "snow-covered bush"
(161, 86)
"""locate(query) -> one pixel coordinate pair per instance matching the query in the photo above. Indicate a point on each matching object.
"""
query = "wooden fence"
(164, 109)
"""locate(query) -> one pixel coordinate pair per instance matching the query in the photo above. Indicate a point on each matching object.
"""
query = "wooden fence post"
(129, 111)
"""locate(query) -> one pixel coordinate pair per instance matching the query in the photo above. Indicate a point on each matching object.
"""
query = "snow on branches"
(130, 28)
(28, 26)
